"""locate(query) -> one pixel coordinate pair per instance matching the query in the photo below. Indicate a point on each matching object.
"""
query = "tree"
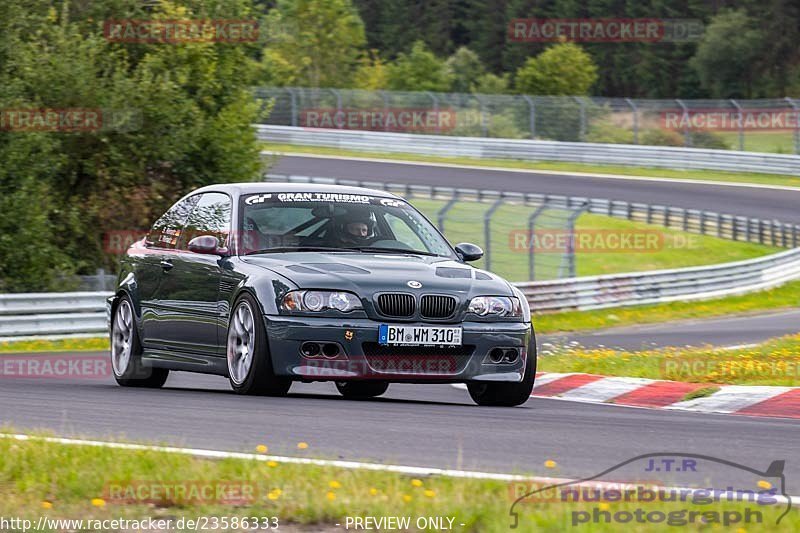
(419, 70)
(173, 117)
(465, 69)
(726, 59)
(371, 73)
(312, 43)
(563, 69)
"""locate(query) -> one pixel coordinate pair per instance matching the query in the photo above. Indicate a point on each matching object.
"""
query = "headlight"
(320, 301)
(496, 306)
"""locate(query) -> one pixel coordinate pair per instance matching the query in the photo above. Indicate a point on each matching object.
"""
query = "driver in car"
(356, 229)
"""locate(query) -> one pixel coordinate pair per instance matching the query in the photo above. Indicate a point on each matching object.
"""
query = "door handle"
(166, 264)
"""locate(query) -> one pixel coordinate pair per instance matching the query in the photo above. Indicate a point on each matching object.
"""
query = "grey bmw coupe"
(268, 284)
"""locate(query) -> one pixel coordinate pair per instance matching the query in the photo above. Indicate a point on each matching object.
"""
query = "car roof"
(271, 186)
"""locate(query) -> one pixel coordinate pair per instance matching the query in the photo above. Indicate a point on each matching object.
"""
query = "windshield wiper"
(396, 251)
(281, 249)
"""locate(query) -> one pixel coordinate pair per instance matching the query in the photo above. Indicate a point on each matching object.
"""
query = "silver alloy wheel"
(122, 338)
(241, 342)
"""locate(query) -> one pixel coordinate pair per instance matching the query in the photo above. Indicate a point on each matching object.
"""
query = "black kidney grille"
(435, 306)
(395, 304)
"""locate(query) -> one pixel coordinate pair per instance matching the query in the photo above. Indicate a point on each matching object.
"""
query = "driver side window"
(166, 232)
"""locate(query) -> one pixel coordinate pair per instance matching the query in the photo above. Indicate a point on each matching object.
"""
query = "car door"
(153, 266)
(190, 289)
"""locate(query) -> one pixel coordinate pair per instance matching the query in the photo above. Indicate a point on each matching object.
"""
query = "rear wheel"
(507, 394)
(361, 389)
(249, 363)
(126, 351)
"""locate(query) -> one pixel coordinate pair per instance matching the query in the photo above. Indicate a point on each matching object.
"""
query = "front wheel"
(507, 394)
(356, 390)
(249, 363)
(126, 351)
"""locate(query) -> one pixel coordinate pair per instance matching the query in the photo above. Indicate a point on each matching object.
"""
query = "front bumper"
(360, 356)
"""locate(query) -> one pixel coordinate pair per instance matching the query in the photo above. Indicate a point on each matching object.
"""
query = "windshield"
(275, 222)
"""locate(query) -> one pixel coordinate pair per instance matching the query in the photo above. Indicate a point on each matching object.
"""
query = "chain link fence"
(768, 125)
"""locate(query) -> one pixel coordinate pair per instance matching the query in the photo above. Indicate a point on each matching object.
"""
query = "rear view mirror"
(468, 251)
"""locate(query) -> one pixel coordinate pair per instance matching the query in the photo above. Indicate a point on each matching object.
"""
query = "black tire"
(131, 372)
(359, 390)
(507, 394)
(260, 378)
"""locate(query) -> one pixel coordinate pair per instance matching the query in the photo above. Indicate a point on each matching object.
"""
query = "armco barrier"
(530, 150)
(44, 314)
(35, 314)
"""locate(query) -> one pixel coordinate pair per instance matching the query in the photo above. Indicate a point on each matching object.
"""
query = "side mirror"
(468, 251)
(205, 244)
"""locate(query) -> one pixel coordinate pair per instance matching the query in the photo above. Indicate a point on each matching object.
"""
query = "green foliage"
(707, 139)
(659, 137)
(490, 84)
(563, 69)
(371, 73)
(604, 131)
(465, 69)
(418, 70)
(174, 117)
(312, 43)
(726, 58)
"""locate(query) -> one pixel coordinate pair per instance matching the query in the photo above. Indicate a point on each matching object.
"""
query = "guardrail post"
(435, 102)
(293, 105)
(571, 239)
(719, 225)
(739, 115)
(532, 115)
(440, 216)
(487, 232)
(582, 131)
(385, 99)
(635, 120)
(685, 223)
(338, 96)
(531, 239)
(796, 124)
(687, 136)
(649, 214)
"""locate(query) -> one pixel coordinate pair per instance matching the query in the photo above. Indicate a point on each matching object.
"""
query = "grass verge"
(74, 482)
(708, 175)
(776, 362)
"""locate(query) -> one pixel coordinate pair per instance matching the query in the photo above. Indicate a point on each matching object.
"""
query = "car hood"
(369, 273)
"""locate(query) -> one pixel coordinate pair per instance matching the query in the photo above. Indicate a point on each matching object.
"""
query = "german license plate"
(419, 335)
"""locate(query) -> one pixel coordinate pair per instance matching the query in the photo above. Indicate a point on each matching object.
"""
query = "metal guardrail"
(65, 313)
(42, 314)
(532, 150)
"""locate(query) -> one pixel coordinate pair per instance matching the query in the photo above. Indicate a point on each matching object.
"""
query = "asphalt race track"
(762, 203)
(419, 425)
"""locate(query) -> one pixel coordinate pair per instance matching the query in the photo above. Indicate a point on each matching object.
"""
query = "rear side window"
(211, 216)
(167, 230)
